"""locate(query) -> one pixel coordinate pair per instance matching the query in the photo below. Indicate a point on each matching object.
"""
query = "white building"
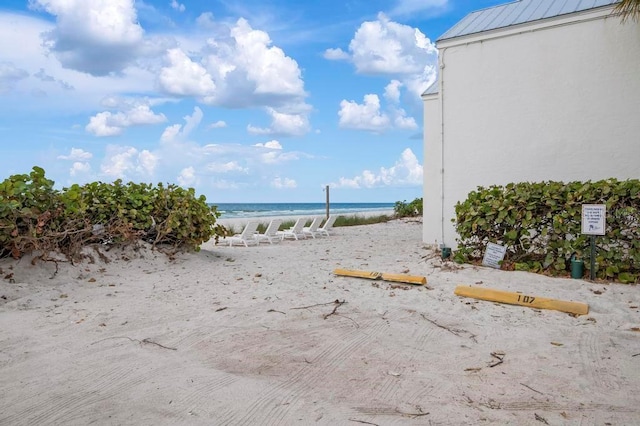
(532, 90)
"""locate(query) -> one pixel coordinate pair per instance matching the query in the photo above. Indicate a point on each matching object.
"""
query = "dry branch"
(338, 304)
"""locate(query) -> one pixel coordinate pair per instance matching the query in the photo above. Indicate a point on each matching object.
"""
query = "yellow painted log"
(401, 278)
(358, 274)
(512, 298)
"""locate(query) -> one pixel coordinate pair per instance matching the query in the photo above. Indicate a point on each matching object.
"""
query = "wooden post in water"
(327, 191)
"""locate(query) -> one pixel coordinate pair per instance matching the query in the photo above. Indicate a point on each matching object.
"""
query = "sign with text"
(493, 255)
(594, 219)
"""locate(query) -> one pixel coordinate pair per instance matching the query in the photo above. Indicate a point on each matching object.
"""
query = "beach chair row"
(251, 236)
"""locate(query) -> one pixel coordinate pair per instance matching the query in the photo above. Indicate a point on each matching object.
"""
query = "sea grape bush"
(412, 209)
(540, 223)
(29, 210)
(36, 217)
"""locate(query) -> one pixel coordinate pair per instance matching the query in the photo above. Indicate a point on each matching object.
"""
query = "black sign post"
(593, 223)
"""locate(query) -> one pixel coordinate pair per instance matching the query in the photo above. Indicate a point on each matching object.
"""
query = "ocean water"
(248, 210)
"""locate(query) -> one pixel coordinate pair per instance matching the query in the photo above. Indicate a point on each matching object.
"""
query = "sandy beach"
(269, 335)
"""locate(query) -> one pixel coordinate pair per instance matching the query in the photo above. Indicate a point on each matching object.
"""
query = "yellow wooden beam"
(512, 298)
(401, 278)
(358, 274)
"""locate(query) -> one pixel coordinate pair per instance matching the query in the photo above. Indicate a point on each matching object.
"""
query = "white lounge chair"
(246, 237)
(313, 228)
(270, 234)
(328, 226)
(295, 232)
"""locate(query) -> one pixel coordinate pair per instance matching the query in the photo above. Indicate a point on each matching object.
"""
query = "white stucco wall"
(432, 176)
(555, 103)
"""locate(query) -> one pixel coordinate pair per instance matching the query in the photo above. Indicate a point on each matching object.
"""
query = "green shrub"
(540, 223)
(30, 214)
(412, 209)
(355, 220)
(342, 220)
(36, 217)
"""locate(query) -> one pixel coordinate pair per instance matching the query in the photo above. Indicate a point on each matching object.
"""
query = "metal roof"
(518, 12)
(433, 89)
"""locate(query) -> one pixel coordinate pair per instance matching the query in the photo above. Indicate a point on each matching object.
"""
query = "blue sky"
(243, 100)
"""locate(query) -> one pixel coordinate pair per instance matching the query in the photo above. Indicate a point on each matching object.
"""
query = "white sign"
(594, 219)
(493, 255)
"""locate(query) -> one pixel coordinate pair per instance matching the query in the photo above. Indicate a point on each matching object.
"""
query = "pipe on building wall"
(441, 89)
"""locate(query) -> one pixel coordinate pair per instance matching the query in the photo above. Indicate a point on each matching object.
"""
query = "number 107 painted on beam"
(526, 299)
(512, 298)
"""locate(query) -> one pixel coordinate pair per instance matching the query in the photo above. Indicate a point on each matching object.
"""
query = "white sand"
(223, 337)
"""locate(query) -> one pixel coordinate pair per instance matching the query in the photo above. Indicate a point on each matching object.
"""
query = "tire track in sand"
(593, 368)
(61, 407)
(424, 339)
(271, 407)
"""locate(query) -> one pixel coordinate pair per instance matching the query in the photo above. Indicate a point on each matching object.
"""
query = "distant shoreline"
(291, 210)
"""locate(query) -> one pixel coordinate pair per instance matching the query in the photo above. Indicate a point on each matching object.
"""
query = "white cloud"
(111, 124)
(97, 37)
(366, 116)
(274, 144)
(402, 122)
(70, 91)
(276, 157)
(177, 6)
(385, 47)
(9, 71)
(184, 77)
(43, 76)
(392, 91)
(76, 154)
(178, 152)
(257, 74)
(281, 183)
(275, 154)
(147, 162)
(240, 68)
(283, 124)
(267, 66)
(100, 124)
(407, 171)
(228, 167)
(217, 125)
(237, 67)
(80, 168)
(223, 184)
(10, 75)
(142, 114)
(187, 177)
(206, 21)
(125, 162)
(178, 132)
(171, 133)
(336, 54)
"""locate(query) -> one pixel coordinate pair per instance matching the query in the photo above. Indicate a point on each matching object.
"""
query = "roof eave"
(599, 12)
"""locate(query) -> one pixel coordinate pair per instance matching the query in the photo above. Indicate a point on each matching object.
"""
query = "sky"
(243, 100)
